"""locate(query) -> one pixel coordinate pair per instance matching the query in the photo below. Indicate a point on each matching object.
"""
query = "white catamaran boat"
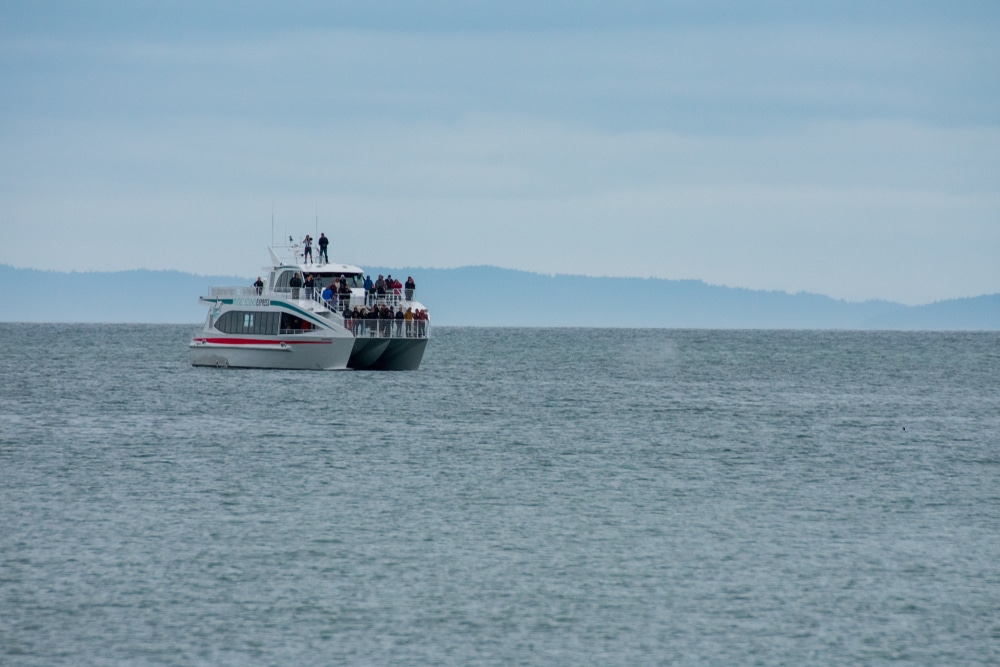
(283, 325)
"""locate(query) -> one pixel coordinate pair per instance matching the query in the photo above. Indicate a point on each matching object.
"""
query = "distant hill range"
(484, 296)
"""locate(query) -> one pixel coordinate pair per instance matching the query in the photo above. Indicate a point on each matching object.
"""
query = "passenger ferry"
(282, 325)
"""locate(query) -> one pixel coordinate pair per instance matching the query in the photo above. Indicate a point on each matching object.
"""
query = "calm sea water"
(528, 497)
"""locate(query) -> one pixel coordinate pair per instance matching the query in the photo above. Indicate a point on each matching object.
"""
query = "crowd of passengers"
(377, 317)
(381, 320)
(375, 291)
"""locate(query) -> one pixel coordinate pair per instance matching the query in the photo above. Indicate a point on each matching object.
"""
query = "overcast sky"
(845, 148)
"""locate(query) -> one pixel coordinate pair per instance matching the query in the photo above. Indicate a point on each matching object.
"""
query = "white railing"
(336, 302)
(374, 328)
(231, 292)
(362, 327)
(392, 299)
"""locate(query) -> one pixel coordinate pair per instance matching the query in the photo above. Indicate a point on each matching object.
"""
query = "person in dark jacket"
(399, 317)
(385, 321)
(360, 320)
(323, 243)
(295, 283)
(344, 295)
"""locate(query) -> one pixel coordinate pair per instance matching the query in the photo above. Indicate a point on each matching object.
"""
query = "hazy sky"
(845, 148)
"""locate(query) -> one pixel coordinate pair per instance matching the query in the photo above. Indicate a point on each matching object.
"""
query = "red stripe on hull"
(244, 341)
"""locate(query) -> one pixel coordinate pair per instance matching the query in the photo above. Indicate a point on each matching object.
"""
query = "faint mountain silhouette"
(491, 296)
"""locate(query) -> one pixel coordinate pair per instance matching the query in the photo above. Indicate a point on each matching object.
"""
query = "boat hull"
(387, 354)
(324, 354)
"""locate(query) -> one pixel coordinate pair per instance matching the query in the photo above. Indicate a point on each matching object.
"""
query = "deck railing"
(361, 327)
(231, 292)
(372, 328)
(394, 300)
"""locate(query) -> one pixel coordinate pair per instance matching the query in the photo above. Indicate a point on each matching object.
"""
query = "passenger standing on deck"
(399, 317)
(295, 283)
(344, 295)
(309, 284)
(421, 318)
(369, 289)
(307, 254)
(323, 243)
(410, 286)
(387, 325)
(356, 316)
(258, 286)
(348, 324)
(397, 290)
(408, 318)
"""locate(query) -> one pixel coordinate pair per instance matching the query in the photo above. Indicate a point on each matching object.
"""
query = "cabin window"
(281, 284)
(291, 324)
(248, 322)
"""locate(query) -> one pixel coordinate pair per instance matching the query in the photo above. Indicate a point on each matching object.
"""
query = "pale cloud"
(859, 160)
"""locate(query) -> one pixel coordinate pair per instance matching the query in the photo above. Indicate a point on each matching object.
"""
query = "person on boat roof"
(307, 254)
(323, 243)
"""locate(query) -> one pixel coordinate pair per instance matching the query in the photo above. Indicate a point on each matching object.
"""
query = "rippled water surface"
(528, 497)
